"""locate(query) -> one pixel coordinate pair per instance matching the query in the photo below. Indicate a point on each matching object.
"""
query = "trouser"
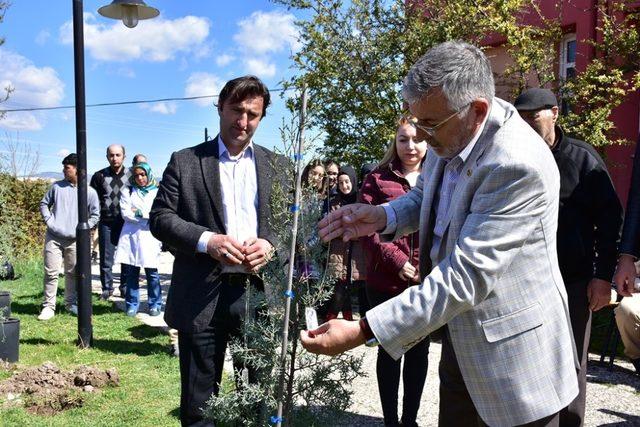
(456, 406)
(202, 353)
(414, 374)
(363, 301)
(573, 415)
(132, 280)
(628, 320)
(340, 301)
(58, 250)
(108, 235)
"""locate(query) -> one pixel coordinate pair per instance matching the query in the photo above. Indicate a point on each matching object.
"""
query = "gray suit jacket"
(496, 284)
(188, 203)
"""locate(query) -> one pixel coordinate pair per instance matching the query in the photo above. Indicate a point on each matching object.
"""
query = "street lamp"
(130, 11)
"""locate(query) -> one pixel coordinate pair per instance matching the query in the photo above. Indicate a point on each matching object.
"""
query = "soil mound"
(46, 389)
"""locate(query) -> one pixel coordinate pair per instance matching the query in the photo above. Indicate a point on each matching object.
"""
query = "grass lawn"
(149, 390)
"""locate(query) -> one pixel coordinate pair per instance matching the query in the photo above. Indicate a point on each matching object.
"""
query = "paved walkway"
(613, 396)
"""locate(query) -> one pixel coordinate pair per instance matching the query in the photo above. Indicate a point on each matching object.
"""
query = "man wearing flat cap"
(589, 221)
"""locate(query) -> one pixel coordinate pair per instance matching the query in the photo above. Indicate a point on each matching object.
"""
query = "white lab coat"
(136, 245)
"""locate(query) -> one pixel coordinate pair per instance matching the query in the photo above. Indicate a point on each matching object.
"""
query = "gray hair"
(460, 70)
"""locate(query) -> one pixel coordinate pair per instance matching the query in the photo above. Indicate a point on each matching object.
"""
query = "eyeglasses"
(431, 130)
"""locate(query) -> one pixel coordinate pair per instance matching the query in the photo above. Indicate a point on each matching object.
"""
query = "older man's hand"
(625, 276)
(352, 221)
(334, 337)
(598, 294)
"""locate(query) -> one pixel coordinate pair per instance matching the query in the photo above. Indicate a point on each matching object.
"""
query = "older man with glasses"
(486, 207)
(589, 222)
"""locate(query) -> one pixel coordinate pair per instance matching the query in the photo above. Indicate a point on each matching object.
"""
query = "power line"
(107, 104)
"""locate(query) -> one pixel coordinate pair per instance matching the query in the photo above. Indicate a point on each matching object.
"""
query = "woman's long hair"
(392, 153)
(305, 175)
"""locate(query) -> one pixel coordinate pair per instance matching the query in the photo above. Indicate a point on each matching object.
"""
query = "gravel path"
(613, 396)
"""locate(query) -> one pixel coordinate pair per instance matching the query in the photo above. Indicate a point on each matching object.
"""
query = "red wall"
(580, 17)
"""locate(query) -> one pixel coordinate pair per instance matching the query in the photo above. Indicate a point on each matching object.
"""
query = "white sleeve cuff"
(203, 241)
(392, 223)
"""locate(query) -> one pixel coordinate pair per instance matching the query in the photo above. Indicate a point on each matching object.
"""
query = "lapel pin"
(468, 172)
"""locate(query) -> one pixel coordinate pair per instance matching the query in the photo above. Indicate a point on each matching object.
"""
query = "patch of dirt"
(47, 390)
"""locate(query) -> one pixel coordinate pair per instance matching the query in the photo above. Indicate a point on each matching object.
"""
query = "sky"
(191, 49)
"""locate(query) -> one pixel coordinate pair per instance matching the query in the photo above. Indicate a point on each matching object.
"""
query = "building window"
(567, 64)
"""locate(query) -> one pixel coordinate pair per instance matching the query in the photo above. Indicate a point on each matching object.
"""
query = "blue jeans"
(154, 290)
(108, 235)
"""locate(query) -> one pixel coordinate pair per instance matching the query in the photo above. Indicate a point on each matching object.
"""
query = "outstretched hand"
(352, 221)
(333, 337)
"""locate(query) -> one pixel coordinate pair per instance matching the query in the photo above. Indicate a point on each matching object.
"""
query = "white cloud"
(156, 40)
(165, 108)
(259, 67)
(21, 121)
(224, 59)
(43, 37)
(33, 87)
(63, 153)
(199, 84)
(265, 32)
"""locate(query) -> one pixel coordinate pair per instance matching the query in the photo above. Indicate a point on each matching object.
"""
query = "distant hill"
(55, 176)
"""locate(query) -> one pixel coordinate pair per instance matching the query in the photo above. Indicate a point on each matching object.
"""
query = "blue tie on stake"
(289, 294)
(276, 419)
(295, 208)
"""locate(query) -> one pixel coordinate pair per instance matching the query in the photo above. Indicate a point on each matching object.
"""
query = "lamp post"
(130, 11)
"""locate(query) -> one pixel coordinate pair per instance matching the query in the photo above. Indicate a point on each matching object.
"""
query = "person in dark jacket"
(108, 183)
(589, 221)
(392, 267)
(346, 261)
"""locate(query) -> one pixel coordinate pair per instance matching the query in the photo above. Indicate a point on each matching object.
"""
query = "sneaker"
(132, 312)
(46, 313)
(73, 309)
(155, 311)
(106, 295)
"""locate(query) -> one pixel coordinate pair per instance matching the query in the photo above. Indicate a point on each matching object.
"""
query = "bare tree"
(19, 158)
(3, 8)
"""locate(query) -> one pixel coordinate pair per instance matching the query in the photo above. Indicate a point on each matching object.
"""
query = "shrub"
(21, 227)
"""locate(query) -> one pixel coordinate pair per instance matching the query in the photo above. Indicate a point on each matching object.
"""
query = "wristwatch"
(371, 340)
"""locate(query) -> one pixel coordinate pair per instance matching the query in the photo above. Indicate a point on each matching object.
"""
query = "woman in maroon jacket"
(391, 268)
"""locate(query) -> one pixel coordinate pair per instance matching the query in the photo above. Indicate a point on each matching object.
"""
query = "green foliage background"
(21, 227)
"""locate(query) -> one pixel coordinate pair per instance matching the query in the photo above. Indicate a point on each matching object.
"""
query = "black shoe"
(106, 295)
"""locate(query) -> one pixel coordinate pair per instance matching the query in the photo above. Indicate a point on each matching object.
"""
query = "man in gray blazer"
(486, 206)
(213, 208)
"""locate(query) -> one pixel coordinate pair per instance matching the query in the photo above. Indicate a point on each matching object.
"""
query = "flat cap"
(535, 99)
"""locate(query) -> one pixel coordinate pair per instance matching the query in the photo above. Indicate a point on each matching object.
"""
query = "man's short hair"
(117, 145)
(136, 157)
(241, 88)
(461, 71)
(71, 159)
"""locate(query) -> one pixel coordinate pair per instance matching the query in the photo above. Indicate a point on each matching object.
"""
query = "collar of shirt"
(223, 151)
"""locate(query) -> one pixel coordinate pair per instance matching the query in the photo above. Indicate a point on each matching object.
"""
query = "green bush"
(21, 227)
